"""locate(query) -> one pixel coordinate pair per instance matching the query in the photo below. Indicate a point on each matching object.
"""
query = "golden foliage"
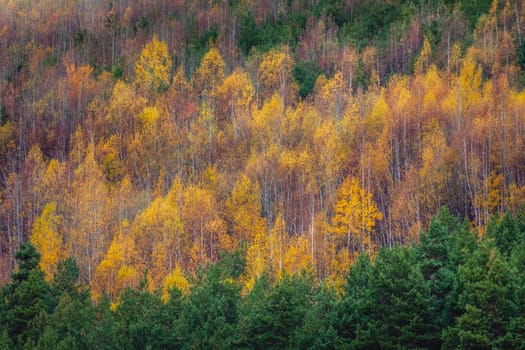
(256, 256)
(423, 60)
(88, 208)
(275, 74)
(115, 272)
(235, 157)
(355, 216)
(159, 236)
(245, 209)
(297, 257)
(46, 237)
(210, 74)
(175, 279)
(152, 69)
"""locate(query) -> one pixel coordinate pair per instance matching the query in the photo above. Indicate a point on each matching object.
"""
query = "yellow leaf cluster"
(355, 215)
(423, 60)
(297, 257)
(115, 271)
(245, 207)
(210, 74)
(152, 69)
(46, 238)
(175, 279)
(275, 74)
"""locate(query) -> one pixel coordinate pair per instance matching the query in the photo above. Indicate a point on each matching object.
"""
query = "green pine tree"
(27, 300)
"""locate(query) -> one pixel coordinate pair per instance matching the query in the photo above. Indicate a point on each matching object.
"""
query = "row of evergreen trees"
(450, 291)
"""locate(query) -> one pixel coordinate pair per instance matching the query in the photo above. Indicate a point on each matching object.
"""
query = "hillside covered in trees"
(450, 291)
(147, 139)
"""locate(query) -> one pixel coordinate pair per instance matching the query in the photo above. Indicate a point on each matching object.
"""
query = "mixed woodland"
(258, 174)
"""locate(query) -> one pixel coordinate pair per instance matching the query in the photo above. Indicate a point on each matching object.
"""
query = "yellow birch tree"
(48, 240)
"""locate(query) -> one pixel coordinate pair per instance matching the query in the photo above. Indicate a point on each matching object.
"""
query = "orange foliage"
(123, 147)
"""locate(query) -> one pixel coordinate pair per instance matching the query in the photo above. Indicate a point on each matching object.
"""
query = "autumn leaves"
(164, 172)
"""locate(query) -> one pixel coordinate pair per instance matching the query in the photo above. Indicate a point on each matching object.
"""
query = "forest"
(451, 290)
(327, 159)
